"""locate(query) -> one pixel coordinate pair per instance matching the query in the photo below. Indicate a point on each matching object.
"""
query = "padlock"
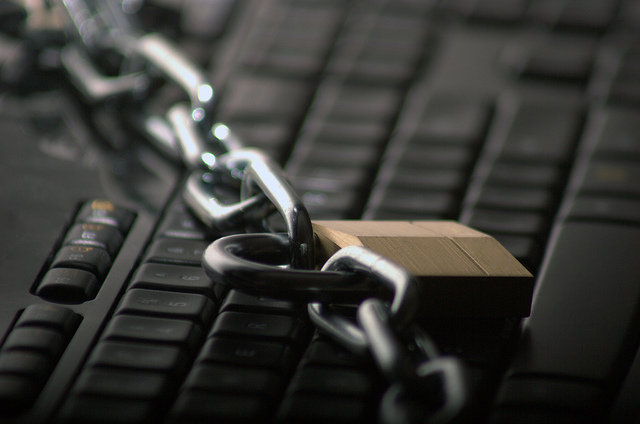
(461, 272)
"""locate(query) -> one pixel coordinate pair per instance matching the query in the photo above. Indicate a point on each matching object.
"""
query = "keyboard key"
(310, 408)
(536, 392)
(97, 235)
(17, 393)
(176, 278)
(34, 339)
(525, 199)
(343, 382)
(536, 132)
(227, 379)
(107, 213)
(505, 222)
(448, 118)
(176, 251)
(618, 134)
(246, 353)
(193, 307)
(203, 406)
(603, 208)
(66, 285)
(92, 259)
(521, 175)
(56, 317)
(242, 302)
(578, 306)
(32, 365)
(168, 359)
(603, 176)
(92, 409)
(158, 330)
(117, 383)
(274, 327)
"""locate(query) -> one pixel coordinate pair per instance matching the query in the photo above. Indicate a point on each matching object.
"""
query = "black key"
(168, 359)
(180, 223)
(537, 392)
(580, 306)
(618, 133)
(177, 251)
(424, 202)
(53, 316)
(32, 365)
(246, 353)
(506, 222)
(450, 118)
(92, 259)
(98, 235)
(611, 177)
(274, 327)
(518, 174)
(91, 409)
(67, 285)
(310, 408)
(159, 303)
(42, 340)
(17, 393)
(226, 379)
(525, 199)
(242, 302)
(325, 352)
(343, 382)
(264, 97)
(604, 208)
(106, 212)
(158, 330)
(563, 58)
(121, 383)
(174, 278)
(202, 406)
(536, 131)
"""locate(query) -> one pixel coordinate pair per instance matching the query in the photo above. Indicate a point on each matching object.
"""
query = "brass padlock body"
(461, 272)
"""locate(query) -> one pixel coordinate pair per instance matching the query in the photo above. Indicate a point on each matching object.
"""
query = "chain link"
(235, 190)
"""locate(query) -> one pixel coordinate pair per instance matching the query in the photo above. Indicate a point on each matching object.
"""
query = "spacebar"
(583, 330)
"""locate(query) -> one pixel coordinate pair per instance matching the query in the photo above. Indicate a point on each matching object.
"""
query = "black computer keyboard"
(518, 118)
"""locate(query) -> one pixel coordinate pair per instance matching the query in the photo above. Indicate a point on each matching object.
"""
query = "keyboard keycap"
(106, 212)
(158, 330)
(193, 307)
(97, 235)
(168, 359)
(68, 285)
(176, 278)
(582, 307)
(177, 251)
(92, 259)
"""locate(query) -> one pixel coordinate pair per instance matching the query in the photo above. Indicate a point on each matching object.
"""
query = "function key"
(67, 285)
(106, 212)
(97, 235)
(92, 259)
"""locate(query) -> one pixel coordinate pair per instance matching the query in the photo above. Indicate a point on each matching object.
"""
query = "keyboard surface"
(518, 118)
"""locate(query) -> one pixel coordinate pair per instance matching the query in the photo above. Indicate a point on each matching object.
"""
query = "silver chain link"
(221, 168)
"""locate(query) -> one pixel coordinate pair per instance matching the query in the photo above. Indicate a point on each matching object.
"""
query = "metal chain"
(235, 190)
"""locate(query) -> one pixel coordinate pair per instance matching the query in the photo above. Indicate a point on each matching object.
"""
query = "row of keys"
(171, 315)
(87, 253)
(31, 351)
